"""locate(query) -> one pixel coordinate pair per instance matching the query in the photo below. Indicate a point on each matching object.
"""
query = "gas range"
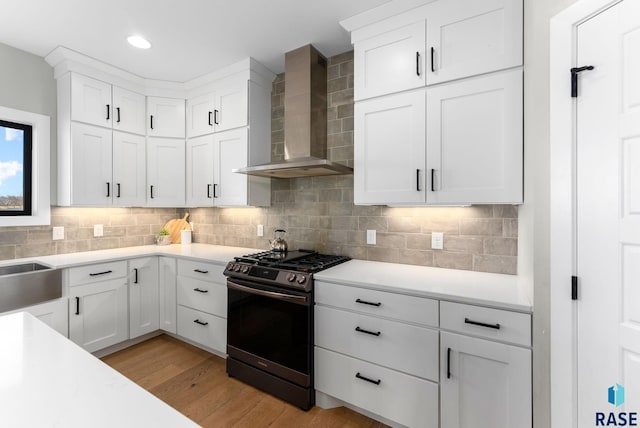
(290, 269)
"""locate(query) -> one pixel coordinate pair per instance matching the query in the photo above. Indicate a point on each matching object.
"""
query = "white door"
(165, 172)
(200, 115)
(474, 140)
(470, 37)
(231, 105)
(129, 169)
(165, 117)
(391, 62)
(168, 299)
(230, 152)
(608, 211)
(200, 171)
(90, 165)
(91, 101)
(128, 111)
(389, 149)
(143, 296)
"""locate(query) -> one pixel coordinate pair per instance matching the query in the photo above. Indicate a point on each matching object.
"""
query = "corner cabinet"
(165, 172)
(143, 296)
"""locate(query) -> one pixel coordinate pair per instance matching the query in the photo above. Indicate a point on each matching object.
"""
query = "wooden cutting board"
(175, 226)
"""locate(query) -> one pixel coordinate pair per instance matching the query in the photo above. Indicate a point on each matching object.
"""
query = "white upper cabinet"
(165, 172)
(224, 108)
(200, 164)
(90, 101)
(165, 117)
(201, 112)
(471, 37)
(129, 169)
(91, 160)
(128, 111)
(391, 62)
(230, 152)
(474, 140)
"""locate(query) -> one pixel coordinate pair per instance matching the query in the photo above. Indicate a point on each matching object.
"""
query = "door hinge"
(574, 78)
(574, 287)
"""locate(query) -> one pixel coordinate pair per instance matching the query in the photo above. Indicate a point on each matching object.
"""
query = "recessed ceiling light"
(139, 42)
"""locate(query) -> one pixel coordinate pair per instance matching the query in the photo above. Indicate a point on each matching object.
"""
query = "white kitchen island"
(48, 381)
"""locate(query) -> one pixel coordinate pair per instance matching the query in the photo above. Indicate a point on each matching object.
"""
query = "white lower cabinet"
(143, 296)
(167, 293)
(203, 328)
(53, 313)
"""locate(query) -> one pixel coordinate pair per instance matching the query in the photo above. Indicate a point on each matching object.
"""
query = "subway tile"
(345, 110)
(340, 208)
(505, 211)
(8, 237)
(104, 244)
(340, 58)
(418, 242)
(333, 71)
(334, 127)
(347, 124)
(391, 240)
(337, 84)
(35, 250)
(358, 238)
(341, 97)
(404, 224)
(486, 227)
(448, 260)
(330, 195)
(344, 223)
(380, 224)
(7, 252)
(346, 68)
(500, 246)
(367, 210)
(390, 255)
(463, 244)
(495, 264)
(325, 182)
(416, 257)
(510, 228)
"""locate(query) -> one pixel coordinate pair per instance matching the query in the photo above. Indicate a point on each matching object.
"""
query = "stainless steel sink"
(27, 284)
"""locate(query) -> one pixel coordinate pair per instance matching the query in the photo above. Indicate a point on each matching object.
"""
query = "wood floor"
(195, 383)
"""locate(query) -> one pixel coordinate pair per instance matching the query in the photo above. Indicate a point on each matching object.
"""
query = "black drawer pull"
(448, 363)
(358, 329)
(101, 273)
(200, 322)
(201, 271)
(200, 291)
(77, 306)
(482, 324)
(376, 382)
(364, 302)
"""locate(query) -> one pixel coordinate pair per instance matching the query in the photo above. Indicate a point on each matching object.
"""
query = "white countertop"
(48, 381)
(487, 289)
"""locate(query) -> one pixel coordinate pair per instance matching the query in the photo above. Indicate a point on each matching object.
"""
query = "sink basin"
(27, 284)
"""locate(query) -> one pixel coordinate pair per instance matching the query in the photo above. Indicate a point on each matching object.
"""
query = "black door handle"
(135, 275)
(118, 185)
(376, 382)
(77, 306)
(418, 63)
(433, 54)
(210, 123)
(215, 117)
(372, 333)
(433, 175)
(418, 180)
(448, 363)
(108, 189)
(151, 121)
(495, 326)
(364, 302)
(151, 191)
(118, 113)
(209, 191)
(215, 186)
(200, 291)
(108, 115)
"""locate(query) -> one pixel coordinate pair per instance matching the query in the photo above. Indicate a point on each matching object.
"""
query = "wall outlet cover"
(98, 230)
(58, 233)
(371, 237)
(437, 240)
(260, 230)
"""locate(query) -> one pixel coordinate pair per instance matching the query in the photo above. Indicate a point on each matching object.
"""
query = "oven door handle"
(271, 294)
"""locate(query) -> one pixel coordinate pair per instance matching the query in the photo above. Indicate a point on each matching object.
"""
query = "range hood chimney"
(305, 120)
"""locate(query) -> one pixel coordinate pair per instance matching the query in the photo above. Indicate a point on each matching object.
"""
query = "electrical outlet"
(371, 237)
(437, 240)
(58, 233)
(260, 231)
(98, 230)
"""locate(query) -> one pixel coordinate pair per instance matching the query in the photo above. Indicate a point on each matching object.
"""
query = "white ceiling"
(189, 38)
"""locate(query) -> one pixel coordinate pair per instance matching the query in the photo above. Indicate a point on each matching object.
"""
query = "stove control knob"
(302, 279)
(236, 268)
(291, 277)
(245, 269)
(230, 266)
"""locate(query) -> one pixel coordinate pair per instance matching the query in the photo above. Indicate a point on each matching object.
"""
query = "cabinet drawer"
(399, 397)
(495, 324)
(94, 273)
(202, 271)
(203, 296)
(390, 305)
(403, 347)
(209, 330)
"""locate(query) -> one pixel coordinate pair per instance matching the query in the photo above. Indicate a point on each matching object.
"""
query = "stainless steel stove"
(270, 321)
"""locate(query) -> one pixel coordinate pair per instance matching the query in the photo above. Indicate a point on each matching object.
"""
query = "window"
(15, 168)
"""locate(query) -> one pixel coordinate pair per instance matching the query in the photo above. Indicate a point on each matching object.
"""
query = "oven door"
(270, 329)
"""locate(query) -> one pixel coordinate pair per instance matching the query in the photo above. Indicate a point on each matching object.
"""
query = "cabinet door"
(231, 105)
(165, 172)
(53, 313)
(391, 62)
(128, 111)
(200, 115)
(129, 169)
(230, 152)
(90, 165)
(470, 37)
(200, 171)
(143, 296)
(474, 140)
(166, 117)
(168, 300)
(98, 314)
(90, 101)
(389, 149)
(483, 384)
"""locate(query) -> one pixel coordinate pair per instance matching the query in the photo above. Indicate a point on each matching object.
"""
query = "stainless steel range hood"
(305, 120)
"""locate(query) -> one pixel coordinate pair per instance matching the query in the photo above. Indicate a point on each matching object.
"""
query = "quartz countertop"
(487, 289)
(48, 381)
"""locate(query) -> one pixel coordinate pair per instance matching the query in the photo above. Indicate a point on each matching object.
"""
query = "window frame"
(27, 180)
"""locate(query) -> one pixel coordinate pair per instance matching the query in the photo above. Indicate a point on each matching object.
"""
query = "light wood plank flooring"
(195, 383)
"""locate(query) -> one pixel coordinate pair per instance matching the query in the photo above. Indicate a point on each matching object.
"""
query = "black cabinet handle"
(151, 121)
(418, 179)
(118, 112)
(135, 275)
(215, 117)
(376, 382)
(108, 115)
(209, 191)
(200, 322)
(77, 306)
(418, 63)
(364, 302)
(101, 273)
(118, 186)
(448, 363)
(482, 324)
(108, 189)
(433, 54)
(433, 175)
(372, 333)
(151, 191)
(201, 271)
(215, 187)
(210, 123)
(200, 291)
